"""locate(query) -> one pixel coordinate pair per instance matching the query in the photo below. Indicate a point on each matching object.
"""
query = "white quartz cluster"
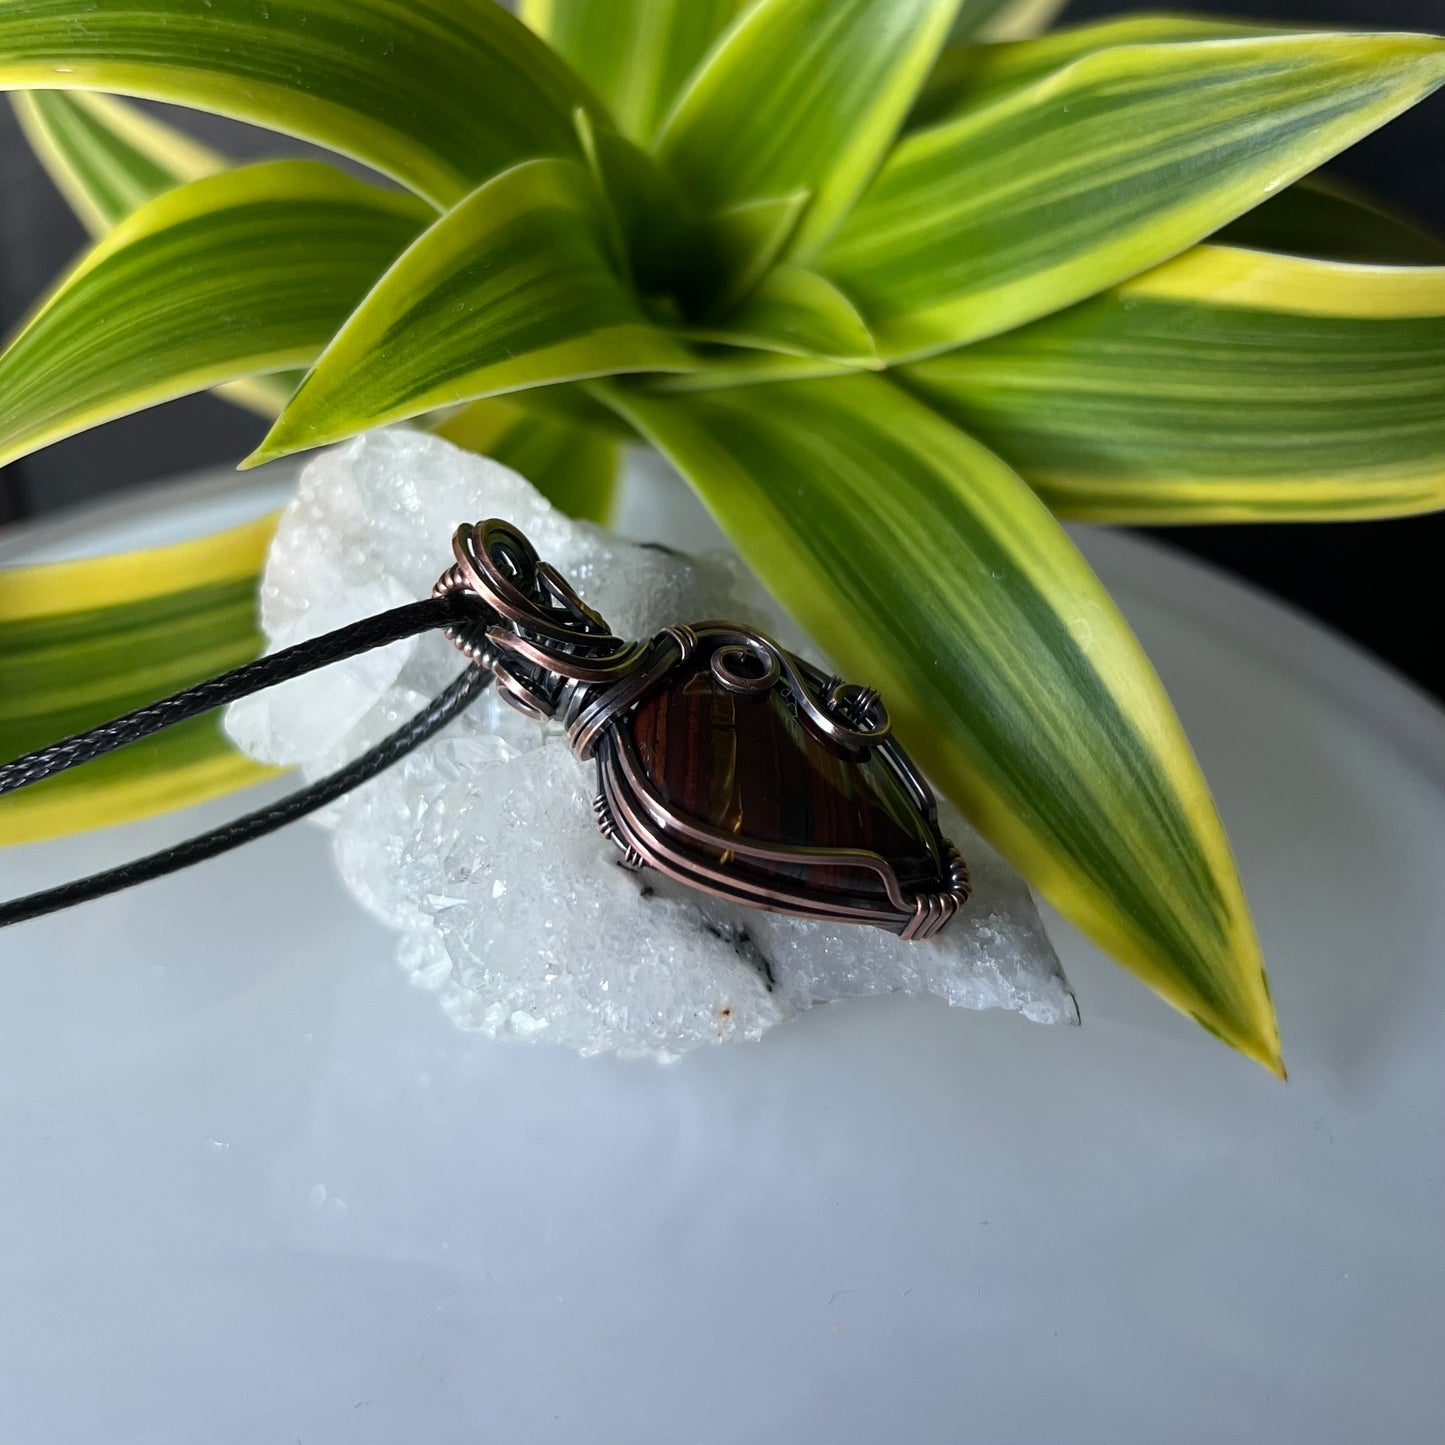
(481, 849)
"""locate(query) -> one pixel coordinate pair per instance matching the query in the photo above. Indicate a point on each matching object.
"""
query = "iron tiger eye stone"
(746, 772)
(746, 765)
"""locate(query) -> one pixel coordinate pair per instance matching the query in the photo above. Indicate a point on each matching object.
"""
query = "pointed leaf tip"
(936, 575)
(1091, 172)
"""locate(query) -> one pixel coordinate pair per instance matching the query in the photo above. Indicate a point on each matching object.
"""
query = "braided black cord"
(264, 672)
(435, 716)
(449, 610)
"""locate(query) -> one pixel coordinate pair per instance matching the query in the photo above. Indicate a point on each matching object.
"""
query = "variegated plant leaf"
(636, 54)
(1227, 385)
(968, 77)
(240, 273)
(108, 157)
(511, 289)
(733, 249)
(927, 567)
(83, 641)
(439, 94)
(570, 401)
(265, 395)
(802, 95)
(724, 366)
(1102, 169)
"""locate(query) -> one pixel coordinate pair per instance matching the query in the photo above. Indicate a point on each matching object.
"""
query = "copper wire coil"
(553, 657)
(472, 643)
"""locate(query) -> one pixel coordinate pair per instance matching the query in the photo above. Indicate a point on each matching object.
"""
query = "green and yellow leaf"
(727, 366)
(802, 95)
(510, 289)
(107, 157)
(439, 94)
(236, 274)
(573, 465)
(1228, 385)
(83, 641)
(1102, 169)
(931, 570)
(636, 54)
(968, 77)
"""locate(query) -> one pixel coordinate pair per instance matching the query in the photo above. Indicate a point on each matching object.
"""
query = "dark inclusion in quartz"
(748, 765)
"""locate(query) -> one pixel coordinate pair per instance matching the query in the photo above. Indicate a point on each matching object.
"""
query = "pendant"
(723, 760)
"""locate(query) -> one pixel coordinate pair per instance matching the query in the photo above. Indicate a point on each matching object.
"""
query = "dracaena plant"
(896, 285)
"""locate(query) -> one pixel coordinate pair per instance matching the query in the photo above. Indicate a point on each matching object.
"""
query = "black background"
(1376, 581)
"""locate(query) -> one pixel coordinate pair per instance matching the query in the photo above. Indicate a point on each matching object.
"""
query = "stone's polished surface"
(481, 849)
(747, 765)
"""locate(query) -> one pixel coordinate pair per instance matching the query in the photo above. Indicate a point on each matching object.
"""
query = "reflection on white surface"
(259, 1189)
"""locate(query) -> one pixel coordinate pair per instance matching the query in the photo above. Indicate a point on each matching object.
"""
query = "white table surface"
(257, 1188)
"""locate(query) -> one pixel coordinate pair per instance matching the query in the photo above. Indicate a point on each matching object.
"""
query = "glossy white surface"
(258, 1189)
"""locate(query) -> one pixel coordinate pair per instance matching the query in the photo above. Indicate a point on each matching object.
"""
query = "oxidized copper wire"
(554, 658)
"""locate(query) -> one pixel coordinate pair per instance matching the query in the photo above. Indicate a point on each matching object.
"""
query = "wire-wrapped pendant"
(723, 760)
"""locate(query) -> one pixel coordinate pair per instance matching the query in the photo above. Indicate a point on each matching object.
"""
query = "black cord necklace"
(722, 760)
(241, 682)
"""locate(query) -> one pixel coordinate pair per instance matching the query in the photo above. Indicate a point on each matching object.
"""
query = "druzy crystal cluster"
(481, 849)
